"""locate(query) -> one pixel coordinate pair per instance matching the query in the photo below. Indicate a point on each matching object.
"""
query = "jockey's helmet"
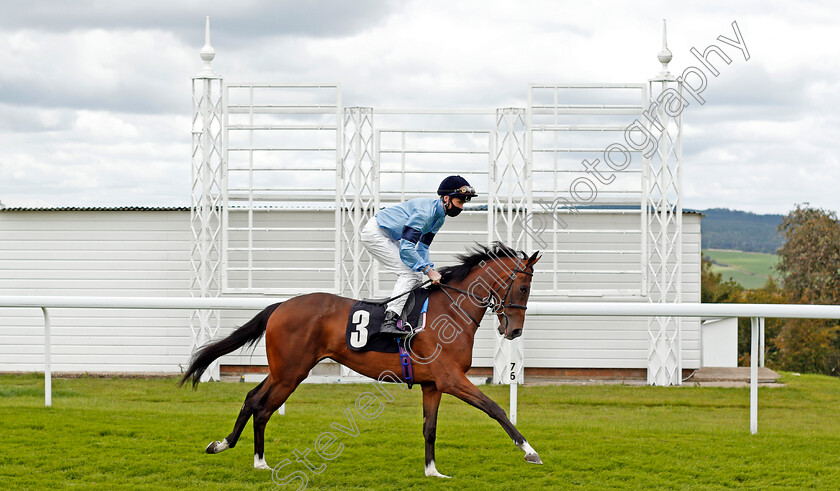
(456, 187)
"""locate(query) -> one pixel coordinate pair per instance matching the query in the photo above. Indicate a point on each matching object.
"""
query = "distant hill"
(740, 230)
(750, 269)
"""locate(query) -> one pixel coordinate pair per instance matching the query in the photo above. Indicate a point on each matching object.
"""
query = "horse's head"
(497, 277)
(511, 298)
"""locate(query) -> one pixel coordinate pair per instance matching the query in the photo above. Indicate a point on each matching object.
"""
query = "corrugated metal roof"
(98, 208)
(187, 208)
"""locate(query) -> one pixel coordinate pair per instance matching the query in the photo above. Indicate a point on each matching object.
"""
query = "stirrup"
(409, 329)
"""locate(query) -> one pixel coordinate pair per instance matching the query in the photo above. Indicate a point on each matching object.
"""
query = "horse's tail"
(248, 334)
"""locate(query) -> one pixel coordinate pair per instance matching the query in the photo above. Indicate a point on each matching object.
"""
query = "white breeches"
(387, 251)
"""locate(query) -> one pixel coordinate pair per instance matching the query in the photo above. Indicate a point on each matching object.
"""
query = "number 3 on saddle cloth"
(366, 318)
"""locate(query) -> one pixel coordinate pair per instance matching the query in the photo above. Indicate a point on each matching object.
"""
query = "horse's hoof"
(533, 458)
(217, 447)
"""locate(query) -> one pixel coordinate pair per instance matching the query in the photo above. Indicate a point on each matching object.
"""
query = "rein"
(484, 302)
(488, 302)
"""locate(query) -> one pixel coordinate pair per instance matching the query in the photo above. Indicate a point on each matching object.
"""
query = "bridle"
(499, 308)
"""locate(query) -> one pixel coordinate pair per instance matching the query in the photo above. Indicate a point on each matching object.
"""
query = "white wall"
(720, 342)
(146, 253)
(95, 253)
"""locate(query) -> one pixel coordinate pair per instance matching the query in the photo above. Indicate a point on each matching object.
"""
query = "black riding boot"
(389, 325)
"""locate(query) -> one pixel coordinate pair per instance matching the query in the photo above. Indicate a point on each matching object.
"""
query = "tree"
(809, 265)
(809, 259)
(712, 287)
(769, 293)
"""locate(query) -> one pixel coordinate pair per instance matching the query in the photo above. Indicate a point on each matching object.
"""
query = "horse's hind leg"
(251, 402)
(275, 395)
(431, 402)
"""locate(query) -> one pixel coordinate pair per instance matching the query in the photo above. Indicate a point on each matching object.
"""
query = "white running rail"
(757, 312)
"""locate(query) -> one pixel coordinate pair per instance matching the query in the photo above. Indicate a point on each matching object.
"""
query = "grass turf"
(750, 269)
(148, 434)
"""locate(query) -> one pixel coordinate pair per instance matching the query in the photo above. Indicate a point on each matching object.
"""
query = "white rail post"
(47, 366)
(515, 372)
(514, 385)
(761, 342)
(754, 321)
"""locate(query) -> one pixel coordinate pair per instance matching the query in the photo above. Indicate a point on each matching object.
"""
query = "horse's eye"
(523, 289)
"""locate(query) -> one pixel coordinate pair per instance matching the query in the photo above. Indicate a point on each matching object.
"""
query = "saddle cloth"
(366, 318)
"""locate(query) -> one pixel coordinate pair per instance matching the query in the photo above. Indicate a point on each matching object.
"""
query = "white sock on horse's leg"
(432, 472)
(259, 462)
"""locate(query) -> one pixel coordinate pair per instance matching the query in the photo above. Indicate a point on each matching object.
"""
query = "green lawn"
(750, 269)
(148, 434)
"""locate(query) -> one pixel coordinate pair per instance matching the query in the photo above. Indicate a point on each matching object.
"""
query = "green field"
(148, 434)
(750, 269)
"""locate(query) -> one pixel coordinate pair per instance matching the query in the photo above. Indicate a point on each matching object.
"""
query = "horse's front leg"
(431, 402)
(463, 389)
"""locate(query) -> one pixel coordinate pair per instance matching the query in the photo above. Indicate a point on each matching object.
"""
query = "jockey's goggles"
(467, 192)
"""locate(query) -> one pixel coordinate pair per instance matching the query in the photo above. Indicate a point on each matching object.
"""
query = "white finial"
(664, 55)
(207, 51)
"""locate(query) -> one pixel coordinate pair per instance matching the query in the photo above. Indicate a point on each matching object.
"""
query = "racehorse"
(306, 329)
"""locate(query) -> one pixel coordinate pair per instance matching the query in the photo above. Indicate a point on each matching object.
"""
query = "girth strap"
(405, 362)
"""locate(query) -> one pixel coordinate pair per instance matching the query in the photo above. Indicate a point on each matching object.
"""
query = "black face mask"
(452, 210)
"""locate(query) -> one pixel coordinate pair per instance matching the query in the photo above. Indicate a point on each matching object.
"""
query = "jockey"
(399, 237)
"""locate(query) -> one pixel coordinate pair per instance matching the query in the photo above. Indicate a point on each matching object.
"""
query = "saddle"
(366, 318)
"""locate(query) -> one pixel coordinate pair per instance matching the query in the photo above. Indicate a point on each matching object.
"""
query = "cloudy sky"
(95, 100)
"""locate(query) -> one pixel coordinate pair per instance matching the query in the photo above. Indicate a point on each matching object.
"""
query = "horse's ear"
(534, 258)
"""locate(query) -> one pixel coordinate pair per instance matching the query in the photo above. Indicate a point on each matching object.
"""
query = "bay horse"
(306, 329)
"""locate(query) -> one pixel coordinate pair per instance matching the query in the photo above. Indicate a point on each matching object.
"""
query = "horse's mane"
(473, 257)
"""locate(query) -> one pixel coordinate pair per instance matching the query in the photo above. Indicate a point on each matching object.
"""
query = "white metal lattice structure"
(357, 200)
(581, 167)
(509, 190)
(282, 143)
(206, 199)
(662, 185)
(508, 219)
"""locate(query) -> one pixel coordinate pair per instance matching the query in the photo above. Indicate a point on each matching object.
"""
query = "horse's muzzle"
(514, 334)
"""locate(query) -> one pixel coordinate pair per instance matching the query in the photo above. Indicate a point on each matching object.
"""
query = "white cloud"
(95, 101)
(132, 71)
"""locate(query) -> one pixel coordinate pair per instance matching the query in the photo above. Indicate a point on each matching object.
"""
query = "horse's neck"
(467, 308)
(490, 278)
